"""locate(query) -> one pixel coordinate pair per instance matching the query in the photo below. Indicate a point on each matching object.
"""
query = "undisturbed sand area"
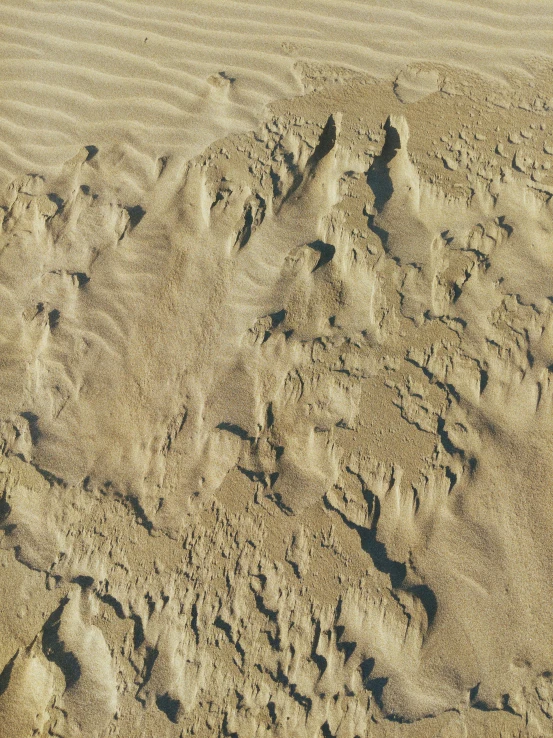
(276, 369)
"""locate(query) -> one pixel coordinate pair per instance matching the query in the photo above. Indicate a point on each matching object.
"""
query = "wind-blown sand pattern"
(276, 407)
(142, 80)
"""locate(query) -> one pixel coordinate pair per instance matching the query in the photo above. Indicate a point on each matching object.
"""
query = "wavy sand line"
(137, 65)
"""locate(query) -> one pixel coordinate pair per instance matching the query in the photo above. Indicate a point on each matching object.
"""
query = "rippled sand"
(276, 350)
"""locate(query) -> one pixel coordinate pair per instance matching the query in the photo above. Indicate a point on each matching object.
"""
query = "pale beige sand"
(276, 348)
(144, 77)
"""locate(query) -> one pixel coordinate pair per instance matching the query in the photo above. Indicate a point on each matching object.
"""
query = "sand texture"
(276, 369)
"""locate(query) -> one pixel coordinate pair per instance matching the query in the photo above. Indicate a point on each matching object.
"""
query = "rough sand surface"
(276, 351)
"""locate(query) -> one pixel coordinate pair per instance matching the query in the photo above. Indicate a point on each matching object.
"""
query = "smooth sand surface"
(276, 360)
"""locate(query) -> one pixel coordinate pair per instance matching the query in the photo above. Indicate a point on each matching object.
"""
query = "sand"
(276, 387)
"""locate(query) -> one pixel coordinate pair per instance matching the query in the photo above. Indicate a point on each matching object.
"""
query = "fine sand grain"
(276, 369)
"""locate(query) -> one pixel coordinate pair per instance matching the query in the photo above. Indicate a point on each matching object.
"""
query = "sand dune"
(276, 348)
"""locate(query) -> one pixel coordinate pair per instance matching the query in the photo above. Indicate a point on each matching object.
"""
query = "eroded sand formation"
(276, 424)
